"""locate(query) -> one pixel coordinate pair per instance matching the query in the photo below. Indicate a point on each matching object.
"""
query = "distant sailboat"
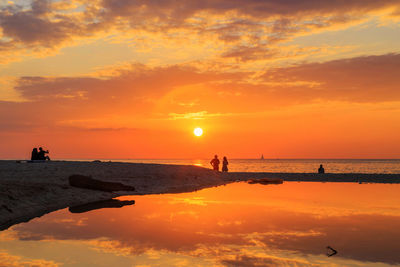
(262, 156)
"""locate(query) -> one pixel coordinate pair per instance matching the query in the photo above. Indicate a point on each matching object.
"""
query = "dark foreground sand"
(29, 190)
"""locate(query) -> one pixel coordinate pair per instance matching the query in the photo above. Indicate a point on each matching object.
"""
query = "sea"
(286, 165)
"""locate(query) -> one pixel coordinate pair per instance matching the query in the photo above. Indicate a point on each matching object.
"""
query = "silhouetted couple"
(215, 163)
(39, 155)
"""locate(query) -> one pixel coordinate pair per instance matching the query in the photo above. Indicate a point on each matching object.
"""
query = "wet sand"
(29, 190)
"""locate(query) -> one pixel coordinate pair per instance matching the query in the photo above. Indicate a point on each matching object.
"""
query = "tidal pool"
(234, 225)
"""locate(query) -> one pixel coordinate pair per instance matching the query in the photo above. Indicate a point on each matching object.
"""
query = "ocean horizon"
(281, 165)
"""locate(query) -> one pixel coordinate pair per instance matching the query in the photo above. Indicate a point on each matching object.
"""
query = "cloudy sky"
(132, 79)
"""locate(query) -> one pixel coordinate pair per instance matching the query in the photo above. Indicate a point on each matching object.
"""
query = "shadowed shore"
(29, 190)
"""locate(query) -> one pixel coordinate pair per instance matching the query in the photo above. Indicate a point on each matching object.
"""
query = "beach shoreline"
(29, 190)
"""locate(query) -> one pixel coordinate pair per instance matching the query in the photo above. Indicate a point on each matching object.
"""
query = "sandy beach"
(29, 190)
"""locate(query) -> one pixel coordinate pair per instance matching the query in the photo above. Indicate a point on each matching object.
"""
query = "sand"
(29, 190)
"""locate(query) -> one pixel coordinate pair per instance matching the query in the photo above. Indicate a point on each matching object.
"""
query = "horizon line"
(79, 159)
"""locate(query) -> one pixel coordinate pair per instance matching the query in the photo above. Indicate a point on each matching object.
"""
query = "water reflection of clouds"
(246, 261)
(186, 213)
(115, 247)
(278, 234)
(190, 201)
(369, 241)
(226, 255)
(9, 260)
(230, 233)
(72, 222)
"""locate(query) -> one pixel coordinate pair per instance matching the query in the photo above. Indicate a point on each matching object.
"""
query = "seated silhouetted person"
(34, 155)
(42, 154)
(321, 169)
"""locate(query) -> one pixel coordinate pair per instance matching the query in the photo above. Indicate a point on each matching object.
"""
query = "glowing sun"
(198, 132)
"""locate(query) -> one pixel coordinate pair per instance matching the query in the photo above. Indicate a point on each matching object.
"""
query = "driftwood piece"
(111, 203)
(88, 182)
(331, 252)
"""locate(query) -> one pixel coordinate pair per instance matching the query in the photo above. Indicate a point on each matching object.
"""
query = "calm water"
(294, 165)
(234, 225)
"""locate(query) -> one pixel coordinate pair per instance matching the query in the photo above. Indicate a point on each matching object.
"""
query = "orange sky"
(132, 79)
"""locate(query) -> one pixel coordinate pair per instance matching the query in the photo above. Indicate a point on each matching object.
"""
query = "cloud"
(43, 26)
(138, 81)
(33, 27)
(361, 79)
(243, 53)
(158, 92)
(196, 115)
(241, 25)
(90, 102)
(27, 28)
(173, 11)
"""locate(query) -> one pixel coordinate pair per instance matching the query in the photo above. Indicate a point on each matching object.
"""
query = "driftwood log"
(88, 182)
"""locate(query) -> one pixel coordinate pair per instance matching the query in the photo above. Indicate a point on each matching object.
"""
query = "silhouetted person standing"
(34, 155)
(42, 154)
(225, 165)
(215, 163)
(321, 169)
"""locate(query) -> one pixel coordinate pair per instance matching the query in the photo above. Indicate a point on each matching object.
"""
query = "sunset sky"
(132, 79)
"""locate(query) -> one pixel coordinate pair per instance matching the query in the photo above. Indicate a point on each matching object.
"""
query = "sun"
(198, 131)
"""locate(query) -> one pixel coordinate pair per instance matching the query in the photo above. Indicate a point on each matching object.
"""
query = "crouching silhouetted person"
(321, 169)
(225, 165)
(42, 154)
(215, 163)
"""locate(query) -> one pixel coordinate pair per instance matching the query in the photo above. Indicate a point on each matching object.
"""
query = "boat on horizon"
(262, 156)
